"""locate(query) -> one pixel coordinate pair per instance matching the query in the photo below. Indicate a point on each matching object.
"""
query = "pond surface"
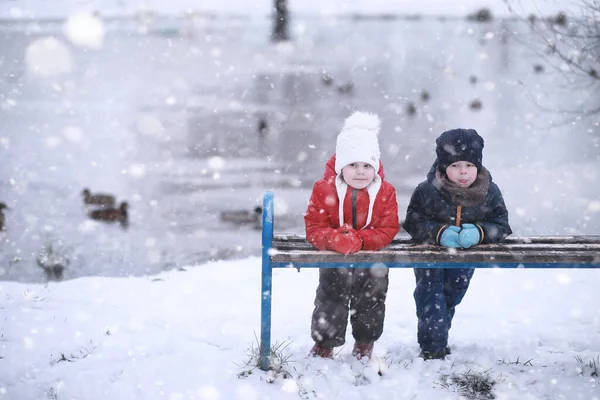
(167, 118)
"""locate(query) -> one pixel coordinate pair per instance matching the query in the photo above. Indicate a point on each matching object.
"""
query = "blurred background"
(190, 111)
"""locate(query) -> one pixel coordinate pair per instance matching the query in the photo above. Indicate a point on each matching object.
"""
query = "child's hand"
(345, 240)
(450, 237)
(469, 236)
(344, 229)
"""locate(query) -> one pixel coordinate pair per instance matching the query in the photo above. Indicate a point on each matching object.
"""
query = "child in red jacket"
(351, 209)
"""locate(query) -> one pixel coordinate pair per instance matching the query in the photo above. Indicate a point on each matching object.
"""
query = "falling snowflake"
(85, 30)
(47, 57)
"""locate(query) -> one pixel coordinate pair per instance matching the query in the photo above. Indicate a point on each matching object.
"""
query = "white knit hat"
(357, 142)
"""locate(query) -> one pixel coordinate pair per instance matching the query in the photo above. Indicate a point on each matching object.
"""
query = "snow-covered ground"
(184, 335)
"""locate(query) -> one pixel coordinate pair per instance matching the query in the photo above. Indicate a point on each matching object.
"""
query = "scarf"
(461, 196)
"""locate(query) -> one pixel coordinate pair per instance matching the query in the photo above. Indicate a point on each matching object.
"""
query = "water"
(167, 120)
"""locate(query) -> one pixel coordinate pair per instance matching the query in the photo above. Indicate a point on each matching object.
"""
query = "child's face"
(463, 173)
(359, 175)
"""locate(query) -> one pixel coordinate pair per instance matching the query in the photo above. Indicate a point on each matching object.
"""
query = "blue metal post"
(267, 274)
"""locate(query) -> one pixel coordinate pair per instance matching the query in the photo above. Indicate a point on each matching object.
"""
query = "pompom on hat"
(358, 142)
(459, 145)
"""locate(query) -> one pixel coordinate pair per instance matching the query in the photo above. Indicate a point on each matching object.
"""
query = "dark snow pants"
(360, 292)
(437, 294)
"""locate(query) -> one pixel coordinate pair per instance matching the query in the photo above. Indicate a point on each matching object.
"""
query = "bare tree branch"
(570, 45)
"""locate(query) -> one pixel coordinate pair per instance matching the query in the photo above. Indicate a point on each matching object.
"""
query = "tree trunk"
(280, 23)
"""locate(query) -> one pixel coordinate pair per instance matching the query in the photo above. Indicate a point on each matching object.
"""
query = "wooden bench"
(285, 251)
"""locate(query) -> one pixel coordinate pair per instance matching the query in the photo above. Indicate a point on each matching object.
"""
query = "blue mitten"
(450, 237)
(469, 236)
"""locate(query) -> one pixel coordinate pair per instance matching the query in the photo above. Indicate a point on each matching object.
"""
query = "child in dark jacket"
(351, 209)
(458, 206)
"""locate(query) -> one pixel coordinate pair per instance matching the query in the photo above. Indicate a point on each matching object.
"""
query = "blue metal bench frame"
(536, 252)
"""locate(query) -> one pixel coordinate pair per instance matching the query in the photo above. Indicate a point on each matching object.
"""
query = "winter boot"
(433, 355)
(362, 350)
(321, 351)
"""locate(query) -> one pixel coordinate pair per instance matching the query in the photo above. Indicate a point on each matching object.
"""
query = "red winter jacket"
(322, 220)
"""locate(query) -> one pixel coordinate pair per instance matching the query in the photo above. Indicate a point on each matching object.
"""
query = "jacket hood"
(330, 169)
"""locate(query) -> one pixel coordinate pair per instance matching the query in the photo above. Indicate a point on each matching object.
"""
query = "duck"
(243, 217)
(346, 88)
(2, 218)
(111, 214)
(99, 199)
(476, 105)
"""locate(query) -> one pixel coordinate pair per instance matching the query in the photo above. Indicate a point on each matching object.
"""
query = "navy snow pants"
(358, 292)
(437, 294)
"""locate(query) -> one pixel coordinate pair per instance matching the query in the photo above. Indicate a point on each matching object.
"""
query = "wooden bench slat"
(299, 256)
(589, 239)
(417, 247)
(536, 249)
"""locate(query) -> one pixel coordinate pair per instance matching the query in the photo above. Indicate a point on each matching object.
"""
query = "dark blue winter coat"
(431, 210)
